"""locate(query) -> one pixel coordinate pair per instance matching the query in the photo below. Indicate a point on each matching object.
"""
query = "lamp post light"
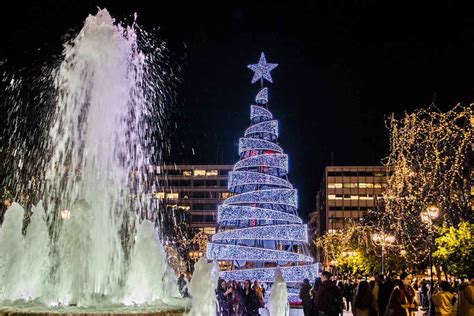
(383, 240)
(428, 215)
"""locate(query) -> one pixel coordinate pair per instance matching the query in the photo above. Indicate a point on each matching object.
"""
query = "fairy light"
(246, 144)
(235, 252)
(273, 196)
(262, 69)
(293, 274)
(239, 213)
(279, 161)
(259, 225)
(237, 178)
(270, 127)
(428, 164)
(259, 112)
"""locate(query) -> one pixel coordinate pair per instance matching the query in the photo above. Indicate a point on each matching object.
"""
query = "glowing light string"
(262, 96)
(290, 232)
(270, 127)
(262, 69)
(248, 178)
(237, 212)
(235, 252)
(279, 161)
(259, 112)
(246, 144)
(290, 274)
(259, 224)
(274, 196)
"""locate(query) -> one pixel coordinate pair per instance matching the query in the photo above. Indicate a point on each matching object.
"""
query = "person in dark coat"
(250, 303)
(347, 293)
(317, 283)
(402, 300)
(363, 300)
(224, 297)
(305, 296)
(328, 297)
(385, 291)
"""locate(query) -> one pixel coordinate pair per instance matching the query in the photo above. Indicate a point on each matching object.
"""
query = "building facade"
(192, 193)
(346, 193)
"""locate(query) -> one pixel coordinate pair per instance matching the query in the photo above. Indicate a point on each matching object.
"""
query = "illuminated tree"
(259, 228)
(428, 164)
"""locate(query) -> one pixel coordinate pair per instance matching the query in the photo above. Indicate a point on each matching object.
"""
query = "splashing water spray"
(86, 243)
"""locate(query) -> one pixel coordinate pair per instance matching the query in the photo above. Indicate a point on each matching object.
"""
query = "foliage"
(455, 249)
(355, 263)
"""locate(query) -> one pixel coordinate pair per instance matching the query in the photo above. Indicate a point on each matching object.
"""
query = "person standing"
(444, 300)
(402, 300)
(236, 297)
(328, 297)
(305, 296)
(385, 291)
(316, 285)
(260, 292)
(375, 288)
(347, 293)
(363, 300)
(250, 304)
(466, 298)
(224, 297)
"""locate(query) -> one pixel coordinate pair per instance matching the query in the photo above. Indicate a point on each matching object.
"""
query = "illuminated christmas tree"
(259, 228)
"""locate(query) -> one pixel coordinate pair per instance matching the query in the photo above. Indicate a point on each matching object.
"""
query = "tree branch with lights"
(428, 164)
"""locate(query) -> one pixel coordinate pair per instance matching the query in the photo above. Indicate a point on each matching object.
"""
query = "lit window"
(366, 185)
(199, 173)
(225, 195)
(331, 186)
(159, 195)
(378, 185)
(354, 197)
(334, 185)
(212, 173)
(209, 230)
(331, 197)
(187, 173)
(172, 196)
(350, 185)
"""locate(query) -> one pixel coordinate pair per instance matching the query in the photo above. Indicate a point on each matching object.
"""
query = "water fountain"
(85, 249)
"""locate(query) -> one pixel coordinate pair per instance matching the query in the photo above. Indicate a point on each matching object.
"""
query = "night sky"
(342, 68)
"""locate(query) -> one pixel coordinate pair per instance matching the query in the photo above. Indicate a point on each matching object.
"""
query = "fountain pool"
(88, 246)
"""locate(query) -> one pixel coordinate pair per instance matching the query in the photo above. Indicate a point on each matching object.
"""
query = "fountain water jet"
(98, 150)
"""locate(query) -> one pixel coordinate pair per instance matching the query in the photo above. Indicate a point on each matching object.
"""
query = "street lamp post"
(383, 239)
(428, 215)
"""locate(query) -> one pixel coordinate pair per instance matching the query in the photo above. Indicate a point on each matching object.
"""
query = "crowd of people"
(395, 295)
(235, 298)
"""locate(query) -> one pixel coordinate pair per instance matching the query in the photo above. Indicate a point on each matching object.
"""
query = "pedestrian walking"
(363, 300)
(305, 296)
(328, 297)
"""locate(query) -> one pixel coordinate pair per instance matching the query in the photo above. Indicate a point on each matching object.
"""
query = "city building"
(192, 193)
(346, 193)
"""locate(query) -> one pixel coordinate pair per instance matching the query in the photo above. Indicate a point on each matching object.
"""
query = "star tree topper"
(262, 69)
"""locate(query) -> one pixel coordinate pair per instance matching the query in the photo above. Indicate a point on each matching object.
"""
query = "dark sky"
(343, 66)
